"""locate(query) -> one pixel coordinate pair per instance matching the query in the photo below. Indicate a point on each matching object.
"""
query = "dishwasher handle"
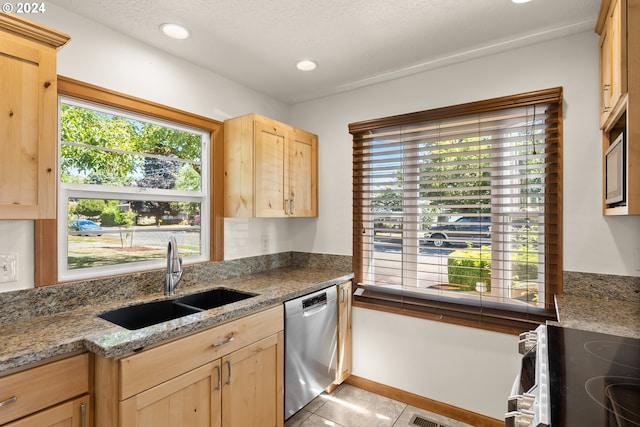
(314, 305)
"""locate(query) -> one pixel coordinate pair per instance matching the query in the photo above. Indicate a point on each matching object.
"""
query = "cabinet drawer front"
(154, 366)
(43, 386)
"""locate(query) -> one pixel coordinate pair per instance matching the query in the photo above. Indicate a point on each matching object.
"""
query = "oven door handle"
(518, 419)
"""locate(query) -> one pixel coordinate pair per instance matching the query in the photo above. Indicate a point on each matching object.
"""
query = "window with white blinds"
(457, 211)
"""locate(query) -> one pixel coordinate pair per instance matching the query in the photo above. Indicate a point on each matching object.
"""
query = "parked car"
(195, 220)
(81, 225)
(462, 230)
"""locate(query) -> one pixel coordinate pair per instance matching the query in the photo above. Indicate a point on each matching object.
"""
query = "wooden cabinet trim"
(32, 31)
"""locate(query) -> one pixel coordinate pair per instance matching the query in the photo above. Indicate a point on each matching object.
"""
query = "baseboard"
(444, 409)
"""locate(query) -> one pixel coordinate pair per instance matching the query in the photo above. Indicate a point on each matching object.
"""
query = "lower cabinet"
(49, 395)
(239, 384)
(249, 378)
(74, 413)
(345, 296)
(192, 399)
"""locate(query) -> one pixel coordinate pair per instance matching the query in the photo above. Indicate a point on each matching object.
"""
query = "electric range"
(594, 379)
(575, 378)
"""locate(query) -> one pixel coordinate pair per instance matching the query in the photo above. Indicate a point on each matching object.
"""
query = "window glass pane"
(109, 232)
(108, 149)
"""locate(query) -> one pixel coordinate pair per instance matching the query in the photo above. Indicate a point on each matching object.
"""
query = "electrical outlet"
(638, 259)
(8, 268)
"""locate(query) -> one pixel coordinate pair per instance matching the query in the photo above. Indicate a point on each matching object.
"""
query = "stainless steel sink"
(151, 313)
(213, 298)
(147, 314)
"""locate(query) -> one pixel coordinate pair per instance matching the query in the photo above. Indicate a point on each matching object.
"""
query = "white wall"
(466, 367)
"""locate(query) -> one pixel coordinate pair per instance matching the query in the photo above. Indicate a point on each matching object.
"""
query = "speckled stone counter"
(65, 320)
(600, 303)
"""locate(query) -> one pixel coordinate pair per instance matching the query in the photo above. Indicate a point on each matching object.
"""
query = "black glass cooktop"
(595, 379)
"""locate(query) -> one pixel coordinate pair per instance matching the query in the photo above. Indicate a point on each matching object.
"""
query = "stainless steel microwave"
(615, 172)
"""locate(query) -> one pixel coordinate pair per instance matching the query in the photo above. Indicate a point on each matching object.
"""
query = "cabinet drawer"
(154, 366)
(38, 388)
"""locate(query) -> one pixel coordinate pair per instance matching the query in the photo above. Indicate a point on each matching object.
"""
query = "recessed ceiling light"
(175, 31)
(306, 65)
(520, 1)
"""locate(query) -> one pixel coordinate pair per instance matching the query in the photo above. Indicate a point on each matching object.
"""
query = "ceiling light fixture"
(175, 31)
(520, 1)
(306, 65)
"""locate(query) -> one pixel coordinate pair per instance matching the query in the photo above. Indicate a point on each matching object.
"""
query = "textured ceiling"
(356, 42)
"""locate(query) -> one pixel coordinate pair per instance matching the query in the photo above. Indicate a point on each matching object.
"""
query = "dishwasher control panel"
(315, 300)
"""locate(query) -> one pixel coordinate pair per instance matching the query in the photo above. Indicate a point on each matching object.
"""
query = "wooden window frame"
(45, 234)
(506, 320)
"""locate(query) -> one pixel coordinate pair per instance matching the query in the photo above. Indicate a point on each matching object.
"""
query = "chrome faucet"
(174, 267)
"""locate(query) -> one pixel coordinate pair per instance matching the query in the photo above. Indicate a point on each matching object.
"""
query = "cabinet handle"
(229, 339)
(83, 415)
(228, 363)
(293, 206)
(218, 371)
(286, 206)
(14, 399)
(343, 294)
(605, 89)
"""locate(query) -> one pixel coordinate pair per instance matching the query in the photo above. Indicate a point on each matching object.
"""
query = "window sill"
(495, 319)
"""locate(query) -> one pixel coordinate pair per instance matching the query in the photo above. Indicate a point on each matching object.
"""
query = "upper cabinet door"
(271, 169)
(28, 117)
(613, 61)
(303, 179)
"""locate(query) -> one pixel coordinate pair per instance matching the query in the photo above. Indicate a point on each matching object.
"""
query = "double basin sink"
(151, 313)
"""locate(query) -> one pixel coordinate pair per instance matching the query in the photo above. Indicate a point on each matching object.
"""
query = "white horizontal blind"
(463, 207)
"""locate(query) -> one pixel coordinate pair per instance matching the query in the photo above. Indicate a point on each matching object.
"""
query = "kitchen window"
(131, 174)
(457, 211)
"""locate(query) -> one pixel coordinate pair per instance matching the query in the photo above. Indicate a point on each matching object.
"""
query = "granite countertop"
(600, 303)
(43, 337)
(613, 317)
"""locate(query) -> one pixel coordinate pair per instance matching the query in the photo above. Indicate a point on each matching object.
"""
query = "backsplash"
(601, 286)
(26, 304)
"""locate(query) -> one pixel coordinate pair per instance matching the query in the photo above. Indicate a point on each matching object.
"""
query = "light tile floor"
(350, 406)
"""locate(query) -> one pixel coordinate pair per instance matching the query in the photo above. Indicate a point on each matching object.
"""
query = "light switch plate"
(8, 268)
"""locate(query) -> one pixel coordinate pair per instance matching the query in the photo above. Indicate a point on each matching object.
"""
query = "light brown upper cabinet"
(619, 28)
(613, 58)
(270, 169)
(28, 117)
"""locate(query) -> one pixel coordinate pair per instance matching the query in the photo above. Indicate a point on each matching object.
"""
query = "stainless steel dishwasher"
(310, 330)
